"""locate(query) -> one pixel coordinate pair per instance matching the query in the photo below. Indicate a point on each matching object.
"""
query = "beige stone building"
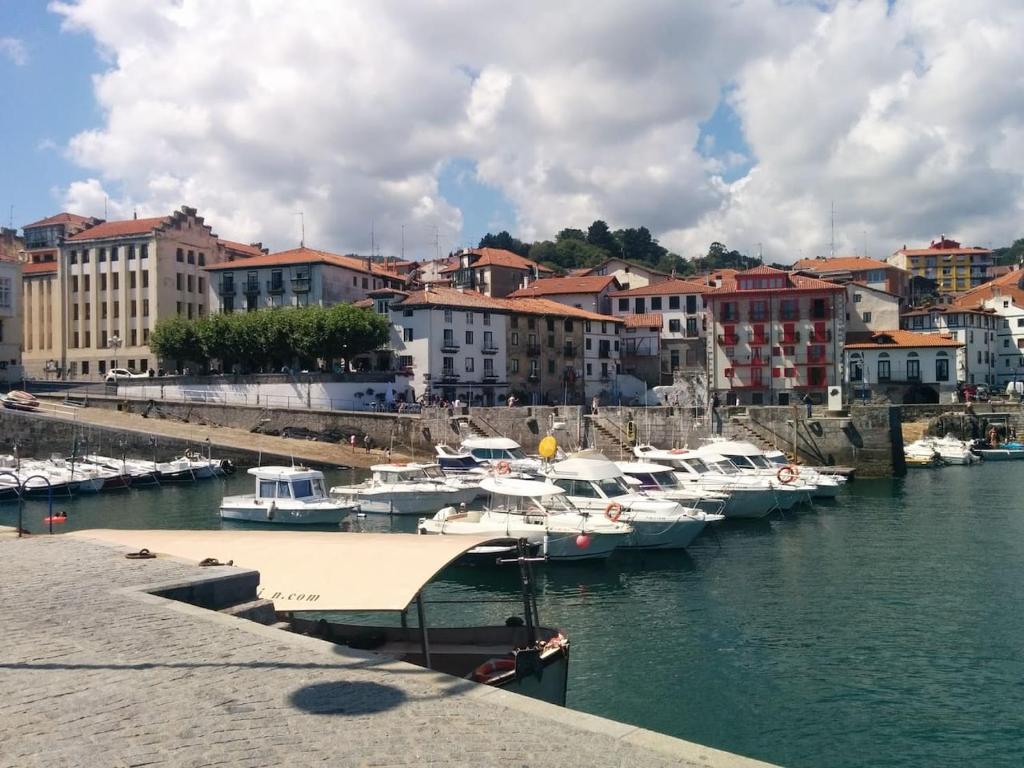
(10, 321)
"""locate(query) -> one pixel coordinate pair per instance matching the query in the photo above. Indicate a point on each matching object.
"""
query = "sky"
(420, 126)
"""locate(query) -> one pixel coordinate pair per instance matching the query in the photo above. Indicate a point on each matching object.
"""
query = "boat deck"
(97, 671)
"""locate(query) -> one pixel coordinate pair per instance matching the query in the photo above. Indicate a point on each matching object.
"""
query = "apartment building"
(590, 293)
(12, 245)
(681, 305)
(451, 343)
(118, 278)
(879, 275)
(975, 329)
(903, 367)
(298, 277)
(628, 274)
(492, 271)
(776, 336)
(10, 321)
(869, 309)
(954, 268)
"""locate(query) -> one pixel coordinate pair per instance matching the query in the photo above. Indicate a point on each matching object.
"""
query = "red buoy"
(583, 541)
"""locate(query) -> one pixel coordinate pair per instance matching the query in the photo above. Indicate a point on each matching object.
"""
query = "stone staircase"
(607, 439)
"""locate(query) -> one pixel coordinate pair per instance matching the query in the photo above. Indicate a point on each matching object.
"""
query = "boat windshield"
(665, 479)
(649, 479)
(779, 460)
(498, 454)
(525, 505)
(271, 489)
(434, 473)
(760, 462)
(612, 486)
(725, 467)
(741, 461)
(694, 465)
(514, 453)
(303, 489)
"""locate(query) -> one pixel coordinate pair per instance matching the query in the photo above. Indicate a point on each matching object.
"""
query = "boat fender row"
(491, 668)
(787, 474)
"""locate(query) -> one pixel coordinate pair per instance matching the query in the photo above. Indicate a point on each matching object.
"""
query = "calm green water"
(883, 629)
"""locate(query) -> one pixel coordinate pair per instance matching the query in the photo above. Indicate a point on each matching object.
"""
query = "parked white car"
(115, 374)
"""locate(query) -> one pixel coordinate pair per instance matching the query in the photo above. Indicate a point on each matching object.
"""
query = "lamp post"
(114, 342)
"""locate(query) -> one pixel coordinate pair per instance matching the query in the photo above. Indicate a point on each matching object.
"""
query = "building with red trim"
(775, 336)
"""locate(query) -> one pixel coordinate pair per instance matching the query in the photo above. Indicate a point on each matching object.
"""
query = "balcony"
(728, 340)
(449, 346)
(226, 289)
(275, 287)
(252, 288)
(489, 350)
(490, 378)
(533, 350)
(569, 351)
(448, 375)
(300, 284)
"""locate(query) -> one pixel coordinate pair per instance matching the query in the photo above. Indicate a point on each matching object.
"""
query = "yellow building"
(954, 269)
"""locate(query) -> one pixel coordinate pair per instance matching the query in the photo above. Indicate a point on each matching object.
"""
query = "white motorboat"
(406, 489)
(593, 483)
(749, 458)
(92, 478)
(139, 473)
(661, 482)
(748, 497)
(537, 511)
(842, 475)
(476, 452)
(286, 496)
(949, 449)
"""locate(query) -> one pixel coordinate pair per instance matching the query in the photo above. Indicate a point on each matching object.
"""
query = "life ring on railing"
(489, 669)
(613, 511)
(503, 467)
(787, 474)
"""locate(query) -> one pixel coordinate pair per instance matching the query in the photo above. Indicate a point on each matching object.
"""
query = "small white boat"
(138, 472)
(538, 512)
(749, 458)
(406, 489)
(593, 483)
(950, 449)
(286, 496)
(661, 482)
(487, 452)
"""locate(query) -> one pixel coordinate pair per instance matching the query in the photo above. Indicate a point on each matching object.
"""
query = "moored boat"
(286, 496)
(406, 489)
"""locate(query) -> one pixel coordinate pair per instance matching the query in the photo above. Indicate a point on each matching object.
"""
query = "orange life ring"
(489, 669)
(787, 474)
(613, 515)
(503, 467)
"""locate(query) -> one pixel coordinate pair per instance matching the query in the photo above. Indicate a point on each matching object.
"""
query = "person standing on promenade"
(809, 403)
(594, 404)
(716, 414)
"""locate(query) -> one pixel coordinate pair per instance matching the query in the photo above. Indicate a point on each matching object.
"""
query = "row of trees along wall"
(270, 338)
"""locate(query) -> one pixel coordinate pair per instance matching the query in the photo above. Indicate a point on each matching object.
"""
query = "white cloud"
(15, 50)
(910, 118)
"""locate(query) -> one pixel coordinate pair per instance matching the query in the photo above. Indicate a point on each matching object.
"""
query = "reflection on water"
(884, 628)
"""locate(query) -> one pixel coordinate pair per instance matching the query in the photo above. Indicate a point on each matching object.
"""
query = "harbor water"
(884, 628)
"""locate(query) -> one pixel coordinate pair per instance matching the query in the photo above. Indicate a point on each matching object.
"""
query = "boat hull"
(1001, 454)
(249, 511)
(414, 502)
(666, 533)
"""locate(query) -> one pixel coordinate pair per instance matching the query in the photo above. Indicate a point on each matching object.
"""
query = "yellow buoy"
(547, 448)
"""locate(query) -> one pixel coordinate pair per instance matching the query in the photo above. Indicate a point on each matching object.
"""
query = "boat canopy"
(593, 467)
(411, 468)
(733, 448)
(634, 467)
(313, 570)
(502, 443)
(517, 487)
(285, 473)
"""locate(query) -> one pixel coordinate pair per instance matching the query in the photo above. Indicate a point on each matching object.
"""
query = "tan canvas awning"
(311, 570)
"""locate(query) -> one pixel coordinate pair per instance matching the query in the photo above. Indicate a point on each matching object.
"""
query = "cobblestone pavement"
(95, 673)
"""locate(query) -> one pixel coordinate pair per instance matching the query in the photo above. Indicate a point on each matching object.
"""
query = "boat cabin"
(651, 477)
(589, 478)
(743, 455)
(289, 483)
(393, 474)
(493, 449)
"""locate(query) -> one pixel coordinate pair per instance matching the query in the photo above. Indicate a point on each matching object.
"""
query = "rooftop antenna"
(302, 225)
(760, 253)
(403, 242)
(104, 206)
(373, 235)
(10, 218)
(832, 248)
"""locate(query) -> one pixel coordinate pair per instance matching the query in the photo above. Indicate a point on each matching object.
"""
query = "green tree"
(174, 339)
(352, 331)
(600, 236)
(505, 241)
(215, 337)
(571, 234)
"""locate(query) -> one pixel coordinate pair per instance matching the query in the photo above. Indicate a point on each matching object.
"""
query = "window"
(448, 364)
(469, 318)
(942, 368)
(639, 306)
(101, 255)
(180, 255)
(674, 326)
(144, 250)
(551, 365)
(623, 305)
(103, 281)
(74, 283)
(449, 338)
(202, 259)
(191, 257)
(488, 366)
(179, 280)
(469, 365)
(145, 335)
(673, 302)
(73, 257)
(365, 285)
(407, 334)
(145, 278)
(514, 321)
(5, 292)
(74, 313)
(188, 283)
(85, 256)
(488, 339)
(551, 323)
(88, 340)
(74, 340)
(515, 338)
(691, 305)
(202, 284)
(691, 326)
(514, 365)
(655, 302)
(883, 370)
(531, 323)
(133, 308)
(103, 339)
(469, 337)
(867, 317)
(447, 315)
(88, 312)
(913, 370)
(487, 318)
(759, 311)
(134, 336)
(116, 281)
(145, 308)
(856, 298)
(113, 253)
(117, 309)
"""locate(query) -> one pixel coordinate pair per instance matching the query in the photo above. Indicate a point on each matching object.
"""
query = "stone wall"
(941, 420)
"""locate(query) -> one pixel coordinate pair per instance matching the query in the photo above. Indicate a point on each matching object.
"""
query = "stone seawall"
(954, 419)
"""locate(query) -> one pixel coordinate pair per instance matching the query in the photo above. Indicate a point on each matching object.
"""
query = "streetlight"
(114, 342)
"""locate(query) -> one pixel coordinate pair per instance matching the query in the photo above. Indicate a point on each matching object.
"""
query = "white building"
(590, 293)
(451, 342)
(869, 309)
(10, 321)
(974, 328)
(903, 367)
(628, 274)
(1009, 349)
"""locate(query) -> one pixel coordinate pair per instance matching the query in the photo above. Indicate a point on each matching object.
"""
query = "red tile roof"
(942, 246)
(558, 285)
(665, 288)
(629, 265)
(308, 256)
(120, 228)
(1011, 285)
(498, 257)
(60, 218)
(793, 281)
(649, 320)
(249, 249)
(459, 299)
(39, 268)
(905, 339)
(842, 264)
